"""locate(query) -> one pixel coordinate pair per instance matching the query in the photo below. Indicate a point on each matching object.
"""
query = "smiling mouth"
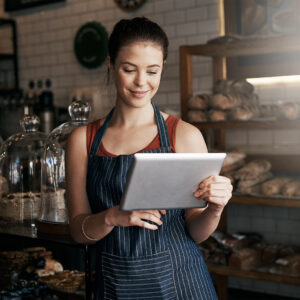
(139, 94)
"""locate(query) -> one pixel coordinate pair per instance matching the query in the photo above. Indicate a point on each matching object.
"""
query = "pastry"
(199, 102)
(19, 207)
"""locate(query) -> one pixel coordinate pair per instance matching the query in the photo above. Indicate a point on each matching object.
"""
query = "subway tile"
(197, 14)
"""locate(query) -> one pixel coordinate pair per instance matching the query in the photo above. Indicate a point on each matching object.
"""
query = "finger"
(151, 217)
(214, 179)
(162, 211)
(146, 225)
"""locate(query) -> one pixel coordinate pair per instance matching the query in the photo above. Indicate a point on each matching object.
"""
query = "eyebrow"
(129, 63)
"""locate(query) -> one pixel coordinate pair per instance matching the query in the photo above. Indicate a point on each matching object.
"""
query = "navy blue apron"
(138, 263)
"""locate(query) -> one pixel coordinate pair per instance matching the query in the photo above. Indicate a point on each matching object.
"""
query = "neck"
(127, 116)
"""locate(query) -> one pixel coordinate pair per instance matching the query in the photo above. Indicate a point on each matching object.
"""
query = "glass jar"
(53, 207)
(20, 175)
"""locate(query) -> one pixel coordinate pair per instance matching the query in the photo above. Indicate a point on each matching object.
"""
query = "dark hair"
(127, 31)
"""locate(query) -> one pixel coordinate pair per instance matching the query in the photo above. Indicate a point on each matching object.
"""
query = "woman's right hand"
(141, 218)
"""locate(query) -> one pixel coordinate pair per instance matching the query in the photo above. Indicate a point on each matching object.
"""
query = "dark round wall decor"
(90, 45)
(130, 5)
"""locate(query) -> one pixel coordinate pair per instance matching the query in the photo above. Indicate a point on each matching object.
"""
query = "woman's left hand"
(216, 190)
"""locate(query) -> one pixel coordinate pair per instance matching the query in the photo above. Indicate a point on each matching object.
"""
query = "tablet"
(168, 180)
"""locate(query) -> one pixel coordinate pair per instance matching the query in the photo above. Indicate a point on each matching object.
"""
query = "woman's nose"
(140, 79)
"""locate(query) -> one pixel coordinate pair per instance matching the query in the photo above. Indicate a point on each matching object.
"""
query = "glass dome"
(53, 207)
(20, 175)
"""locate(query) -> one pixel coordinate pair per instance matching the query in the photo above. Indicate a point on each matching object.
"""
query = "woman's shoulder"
(189, 138)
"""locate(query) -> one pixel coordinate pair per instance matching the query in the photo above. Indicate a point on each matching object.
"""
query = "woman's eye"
(152, 72)
(128, 70)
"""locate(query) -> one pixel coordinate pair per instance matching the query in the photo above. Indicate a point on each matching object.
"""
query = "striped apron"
(138, 263)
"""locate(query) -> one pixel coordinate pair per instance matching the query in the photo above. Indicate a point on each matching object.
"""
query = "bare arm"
(216, 190)
(77, 201)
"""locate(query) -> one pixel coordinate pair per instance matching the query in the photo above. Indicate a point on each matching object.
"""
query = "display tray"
(52, 228)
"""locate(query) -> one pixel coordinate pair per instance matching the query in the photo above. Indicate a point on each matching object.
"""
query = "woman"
(140, 254)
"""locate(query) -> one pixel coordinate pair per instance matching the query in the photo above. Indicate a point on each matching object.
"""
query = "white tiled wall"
(45, 37)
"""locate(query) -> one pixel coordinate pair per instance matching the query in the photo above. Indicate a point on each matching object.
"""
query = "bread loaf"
(291, 188)
(233, 161)
(196, 116)
(244, 259)
(242, 86)
(249, 182)
(252, 169)
(274, 186)
(217, 115)
(199, 102)
(224, 102)
(290, 265)
(244, 113)
(289, 111)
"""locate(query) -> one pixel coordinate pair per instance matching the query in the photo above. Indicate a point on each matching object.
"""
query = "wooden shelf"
(249, 125)
(7, 56)
(267, 201)
(228, 271)
(284, 163)
(244, 47)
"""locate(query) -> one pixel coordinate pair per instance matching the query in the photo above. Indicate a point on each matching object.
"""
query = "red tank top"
(93, 127)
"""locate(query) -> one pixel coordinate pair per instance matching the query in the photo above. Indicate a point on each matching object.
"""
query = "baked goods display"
(236, 100)
(274, 186)
(54, 206)
(19, 207)
(249, 252)
(34, 272)
(255, 177)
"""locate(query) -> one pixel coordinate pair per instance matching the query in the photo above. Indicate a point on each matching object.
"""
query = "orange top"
(93, 127)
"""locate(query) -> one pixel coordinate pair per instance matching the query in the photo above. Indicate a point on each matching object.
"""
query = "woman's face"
(137, 71)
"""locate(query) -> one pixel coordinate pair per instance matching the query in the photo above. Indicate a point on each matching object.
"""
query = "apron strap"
(161, 127)
(100, 133)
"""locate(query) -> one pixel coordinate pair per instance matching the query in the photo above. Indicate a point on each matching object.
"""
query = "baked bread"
(252, 169)
(217, 115)
(243, 113)
(291, 188)
(270, 253)
(196, 116)
(274, 186)
(199, 102)
(244, 259)
(224, 102)
(232, 162)
(244, 184)
(289, 265)
(289, 111)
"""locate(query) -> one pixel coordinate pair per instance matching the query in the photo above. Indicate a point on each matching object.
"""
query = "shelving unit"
(288, 163)
(62, 239)
(13, 57)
